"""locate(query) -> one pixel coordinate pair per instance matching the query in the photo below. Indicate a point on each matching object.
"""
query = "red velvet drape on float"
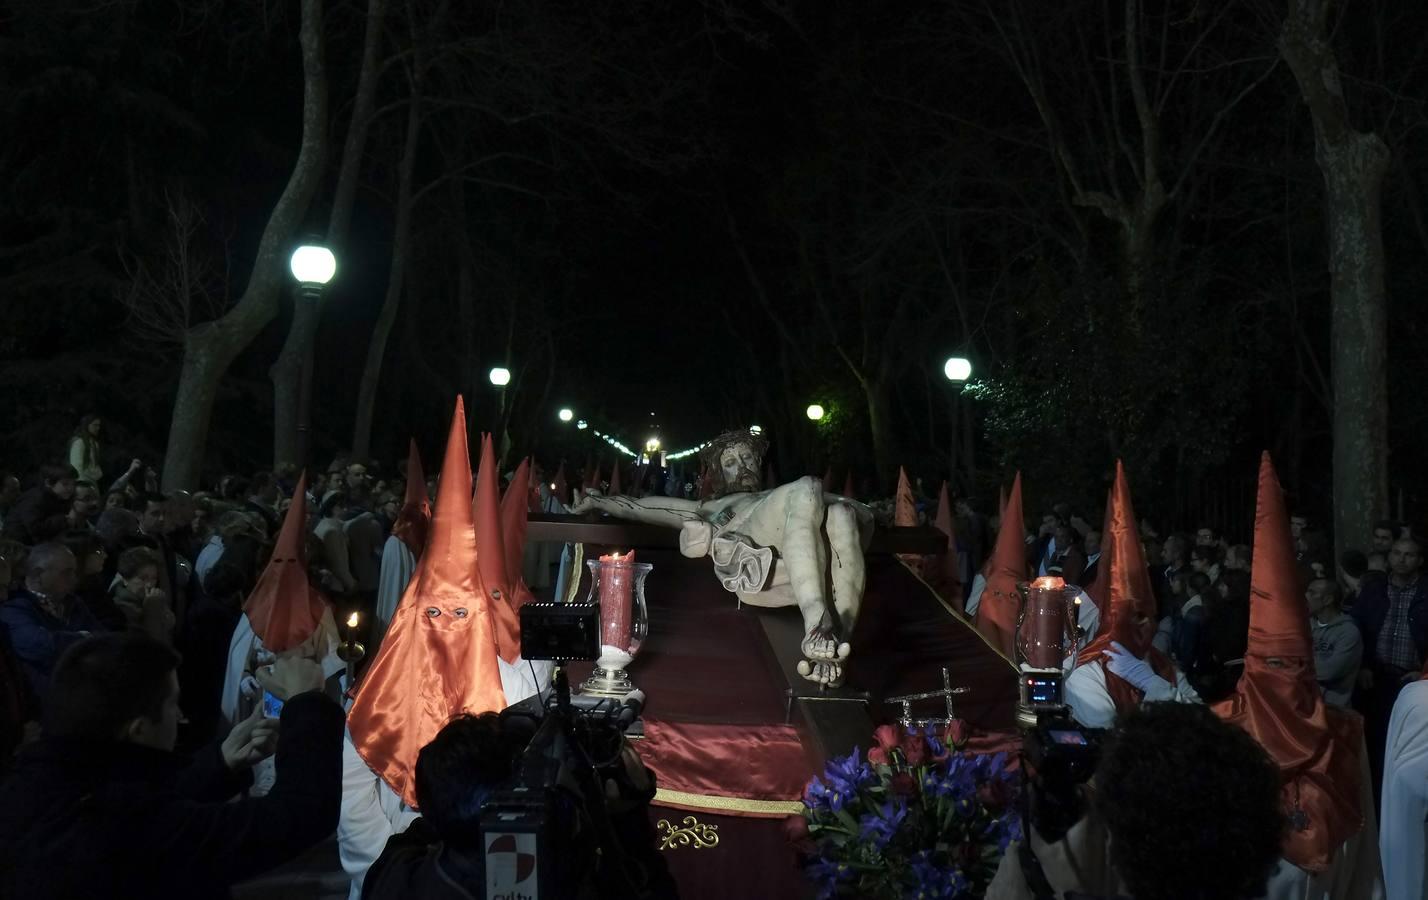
(1279, 703)
(491, 554)
(997, 611)
(284, 608)
(415, 517)
(438, 658)
(1123, 593)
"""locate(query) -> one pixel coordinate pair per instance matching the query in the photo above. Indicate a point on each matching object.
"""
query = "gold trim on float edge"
(730, 804)
(693, 834)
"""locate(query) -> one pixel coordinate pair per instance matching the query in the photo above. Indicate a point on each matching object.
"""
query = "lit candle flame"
(352, 621)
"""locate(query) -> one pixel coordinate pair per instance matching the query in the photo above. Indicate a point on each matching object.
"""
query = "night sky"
(897, 193)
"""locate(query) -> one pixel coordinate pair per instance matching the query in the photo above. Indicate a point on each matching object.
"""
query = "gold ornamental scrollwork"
(692, 834)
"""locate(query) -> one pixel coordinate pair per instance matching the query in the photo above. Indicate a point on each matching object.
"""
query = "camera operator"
(442, 854)
(1183, 806)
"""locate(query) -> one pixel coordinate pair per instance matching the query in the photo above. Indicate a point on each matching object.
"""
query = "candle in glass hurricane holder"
(617, 586)
(351, 650)
(1047, 629)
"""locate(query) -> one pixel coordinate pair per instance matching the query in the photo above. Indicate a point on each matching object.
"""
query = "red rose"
(887, 738)
(914, 749)
(903, 784)
(957, 733)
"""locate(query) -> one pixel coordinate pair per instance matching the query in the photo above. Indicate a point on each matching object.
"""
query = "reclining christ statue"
(793, 545)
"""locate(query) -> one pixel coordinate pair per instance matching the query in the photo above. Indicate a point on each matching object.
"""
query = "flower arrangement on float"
(920, 817)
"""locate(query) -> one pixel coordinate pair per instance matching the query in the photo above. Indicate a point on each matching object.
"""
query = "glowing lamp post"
(815, 412)
(565, 415)
(957, 369)
(500, 377)
(313, 266)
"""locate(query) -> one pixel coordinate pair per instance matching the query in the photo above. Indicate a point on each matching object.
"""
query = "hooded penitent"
(415, 517)
(941, 570)
(514, 520)
(284, 608)
(1278, 700)
(438, 658)
(997, 611)
(1123, 594)
(491, 554)
(905, 506)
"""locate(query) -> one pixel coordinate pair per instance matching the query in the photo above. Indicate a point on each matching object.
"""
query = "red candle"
(616, 599)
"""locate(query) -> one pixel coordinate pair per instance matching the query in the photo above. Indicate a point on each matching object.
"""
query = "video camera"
(1058, 754)
(548, 830)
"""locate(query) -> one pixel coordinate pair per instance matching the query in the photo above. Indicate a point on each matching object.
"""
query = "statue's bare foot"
(826, 673)
(822, 645)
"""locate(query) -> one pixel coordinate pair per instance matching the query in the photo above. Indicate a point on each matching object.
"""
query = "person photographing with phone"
(101, 806)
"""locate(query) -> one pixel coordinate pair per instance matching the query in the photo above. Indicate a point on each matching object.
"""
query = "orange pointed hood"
(438, 658)
(1279, 703)
(491, 554)
(905, 508)
(1123, 594)
(560, 489)
(1122, 589)
(284, 608)
(515, 518)
(415, 517)
(947, 577)
(615, 489)
(997, 612)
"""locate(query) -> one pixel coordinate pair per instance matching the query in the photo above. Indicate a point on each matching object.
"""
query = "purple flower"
(881, 825)
(827, 875)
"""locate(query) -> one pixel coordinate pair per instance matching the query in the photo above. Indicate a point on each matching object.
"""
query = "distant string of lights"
(652, 446)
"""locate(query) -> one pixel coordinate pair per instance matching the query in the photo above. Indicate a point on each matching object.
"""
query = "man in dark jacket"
(1392, 615)
(45, 617)
(44, 511)
(102, 807)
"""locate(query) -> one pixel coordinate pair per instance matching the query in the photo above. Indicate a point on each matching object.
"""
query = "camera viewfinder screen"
(1069, 737)
(1044, 691)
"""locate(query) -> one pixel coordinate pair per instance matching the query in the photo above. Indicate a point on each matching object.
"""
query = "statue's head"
(735, 460)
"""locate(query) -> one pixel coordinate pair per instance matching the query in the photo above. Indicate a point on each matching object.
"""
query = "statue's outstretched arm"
(671, 512)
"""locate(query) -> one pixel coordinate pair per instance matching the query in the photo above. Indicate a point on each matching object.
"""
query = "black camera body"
(1060, 756)
(543, 830)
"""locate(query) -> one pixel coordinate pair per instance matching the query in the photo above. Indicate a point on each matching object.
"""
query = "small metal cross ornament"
(947, 692)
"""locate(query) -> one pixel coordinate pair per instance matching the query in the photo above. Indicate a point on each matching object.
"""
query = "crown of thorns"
(710, 454)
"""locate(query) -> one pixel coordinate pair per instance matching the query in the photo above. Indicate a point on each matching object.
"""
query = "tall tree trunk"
(377, 346)
(1353, 165)
(210, 348)
(291, 409)
(879, 395)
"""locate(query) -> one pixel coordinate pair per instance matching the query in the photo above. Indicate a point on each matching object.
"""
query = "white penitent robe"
(398, 564)
(974, 596)
(371, 813)
(1081, 861)
(1091, 703)
(241, 691)
(1404, 842)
